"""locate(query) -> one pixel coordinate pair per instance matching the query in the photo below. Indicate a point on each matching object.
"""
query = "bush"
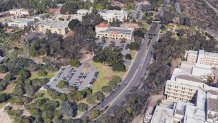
(95, 113)
(74, 63)
(3, 69)
(82, 107)
(128, 57)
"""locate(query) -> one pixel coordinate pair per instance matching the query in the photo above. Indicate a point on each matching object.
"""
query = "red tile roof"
(102, 25)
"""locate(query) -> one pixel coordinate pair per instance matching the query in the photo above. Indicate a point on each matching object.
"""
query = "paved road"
(135, 73)
(211, 6)
(132, 79)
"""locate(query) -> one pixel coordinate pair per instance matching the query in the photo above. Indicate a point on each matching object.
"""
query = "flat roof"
(193, 52)
(122, 30)
(213, 104)
(186, 77)
(54, 23)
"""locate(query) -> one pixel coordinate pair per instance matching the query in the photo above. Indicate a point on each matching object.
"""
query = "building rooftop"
(115, 12)
(121, 30)
(54, 23)
(186, 77)
(193, 52)
(102, 25)
(213, 104)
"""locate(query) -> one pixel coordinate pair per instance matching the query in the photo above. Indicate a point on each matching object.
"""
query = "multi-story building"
(68, 17)
(59, 27)
(20, 22)
(189, 100)
(192, 56)
(202, 57)
(19, 12)
(103, 30)
(111, 15)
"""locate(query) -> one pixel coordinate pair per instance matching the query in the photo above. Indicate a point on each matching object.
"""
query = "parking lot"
(114, 43)
(80, 78)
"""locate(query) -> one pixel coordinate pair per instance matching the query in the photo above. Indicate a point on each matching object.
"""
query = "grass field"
(45, 94)
(105, 75)
(49, 75)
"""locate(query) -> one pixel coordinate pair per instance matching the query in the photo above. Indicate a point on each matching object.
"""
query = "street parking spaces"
(80, 78)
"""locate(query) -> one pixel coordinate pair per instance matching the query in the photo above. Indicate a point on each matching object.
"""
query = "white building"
(69, 17)
(111, 15)
(19, 12)
(202, 57)
(189, 100)
(103, 30)
(201, 71)
(20, 22)
(59, 27)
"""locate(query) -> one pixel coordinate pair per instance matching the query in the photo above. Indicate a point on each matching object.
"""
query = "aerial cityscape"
(108, 61)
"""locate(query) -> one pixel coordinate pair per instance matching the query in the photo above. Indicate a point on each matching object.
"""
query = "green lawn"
(145, 26)
(45, 94)
(49, 75)
(105, 75)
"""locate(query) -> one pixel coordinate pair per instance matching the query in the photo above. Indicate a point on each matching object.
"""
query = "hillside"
(200, 14)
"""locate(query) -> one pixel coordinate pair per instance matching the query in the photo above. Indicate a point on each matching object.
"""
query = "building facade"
(19, 12)
(189, 100)
(59, 27)
(103, 30)
(111, 15)
(203, 57)
(21, 23)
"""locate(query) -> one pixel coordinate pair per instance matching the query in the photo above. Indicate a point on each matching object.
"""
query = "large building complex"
(103, 30)
(20, 22)
(202, 57)
(111, 15)
(189, 100)
(59, 27)
(67, 17)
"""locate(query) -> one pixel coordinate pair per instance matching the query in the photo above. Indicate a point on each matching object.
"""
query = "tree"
(118, 66)
(76, 95)
(95, 113)
(69, 108)
(42, 73)
(4, 97)
(133, 46)
(18, 90)
(82, 107)
(3, 69)
(128, 57)
(99, 96)
(74, 63)
(73, 24)
(115, 23)
(70, 7)
(24, 74)
(106, 89)
(62, 84)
